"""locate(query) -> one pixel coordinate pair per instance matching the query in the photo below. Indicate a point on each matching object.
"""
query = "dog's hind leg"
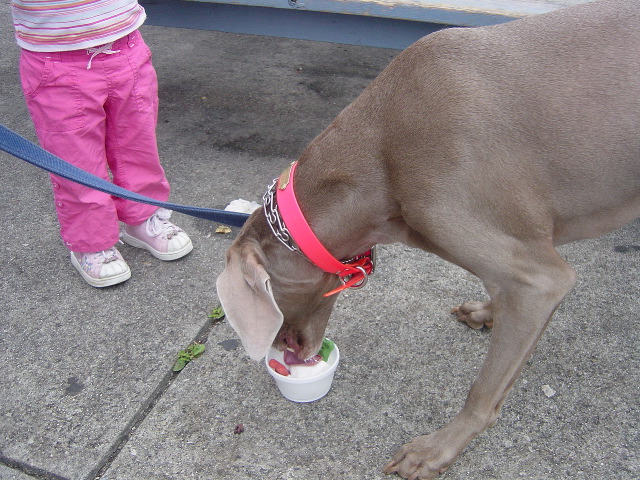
(527, 285)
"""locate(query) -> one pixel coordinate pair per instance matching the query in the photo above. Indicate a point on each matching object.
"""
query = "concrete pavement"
(87, 389)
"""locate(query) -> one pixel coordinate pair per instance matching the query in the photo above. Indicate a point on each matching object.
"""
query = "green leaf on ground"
(217, 313)
(185, 356)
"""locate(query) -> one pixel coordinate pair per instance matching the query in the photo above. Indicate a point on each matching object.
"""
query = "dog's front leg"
(522, 306)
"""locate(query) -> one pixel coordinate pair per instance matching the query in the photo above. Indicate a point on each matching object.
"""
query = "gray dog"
(486, 146)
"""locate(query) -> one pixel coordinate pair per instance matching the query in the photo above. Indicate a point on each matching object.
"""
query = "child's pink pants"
(101, 119)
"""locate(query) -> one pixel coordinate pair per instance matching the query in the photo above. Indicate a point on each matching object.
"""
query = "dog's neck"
(341, 212)
(349, 204)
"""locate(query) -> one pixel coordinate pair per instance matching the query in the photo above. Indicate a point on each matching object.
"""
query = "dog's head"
(272, 296)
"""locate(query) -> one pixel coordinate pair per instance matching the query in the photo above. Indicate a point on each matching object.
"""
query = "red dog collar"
(290, 227)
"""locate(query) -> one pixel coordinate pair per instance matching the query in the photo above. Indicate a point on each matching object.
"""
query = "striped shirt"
(60, 25)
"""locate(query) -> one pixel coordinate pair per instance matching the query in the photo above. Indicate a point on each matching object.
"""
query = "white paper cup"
(307, 389)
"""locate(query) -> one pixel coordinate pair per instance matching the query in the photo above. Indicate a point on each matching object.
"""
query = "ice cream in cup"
(304, 381)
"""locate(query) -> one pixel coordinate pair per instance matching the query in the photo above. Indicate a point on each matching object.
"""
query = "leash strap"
(23, 149)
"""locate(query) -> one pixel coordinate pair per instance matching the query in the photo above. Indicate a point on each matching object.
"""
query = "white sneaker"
(101, 269)
(159, 236)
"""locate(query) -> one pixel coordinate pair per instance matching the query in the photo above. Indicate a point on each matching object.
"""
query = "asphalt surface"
(87, 388)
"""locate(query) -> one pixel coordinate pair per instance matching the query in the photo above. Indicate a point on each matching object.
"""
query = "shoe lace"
(159, 224)
(108, 255)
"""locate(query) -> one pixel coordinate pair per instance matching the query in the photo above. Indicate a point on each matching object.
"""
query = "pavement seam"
(147, 407)
(28, 469)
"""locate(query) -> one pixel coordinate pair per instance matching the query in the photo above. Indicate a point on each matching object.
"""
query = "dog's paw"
(424, 458)
(475, 314)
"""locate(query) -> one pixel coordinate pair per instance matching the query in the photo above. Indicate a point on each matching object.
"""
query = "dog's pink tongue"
(290, 358)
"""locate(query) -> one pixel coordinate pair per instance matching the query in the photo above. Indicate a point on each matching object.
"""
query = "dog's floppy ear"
(244, 289)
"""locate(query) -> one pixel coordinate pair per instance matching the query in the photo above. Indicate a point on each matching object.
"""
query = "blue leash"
(22, 148)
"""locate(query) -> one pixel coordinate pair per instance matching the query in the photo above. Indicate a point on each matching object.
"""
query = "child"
(92, 94)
